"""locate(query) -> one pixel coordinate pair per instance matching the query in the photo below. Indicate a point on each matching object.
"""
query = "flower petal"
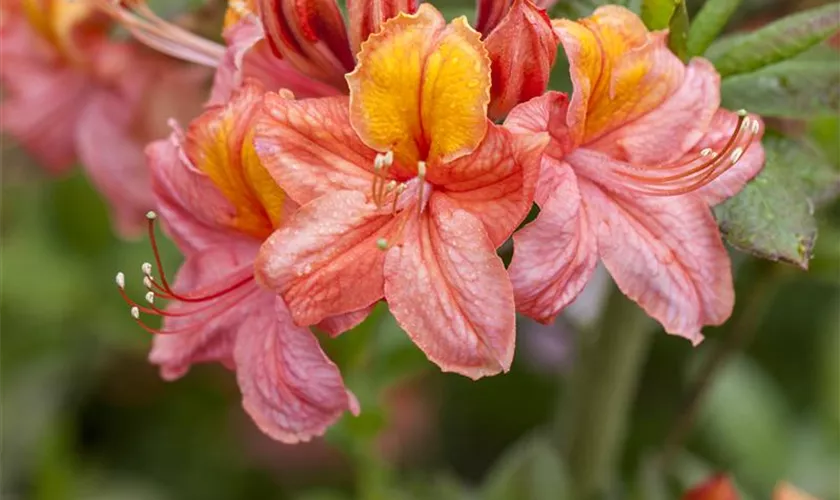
(366, 17)
(670, 130)
(310, 149)
(666, 254)
(554, 256)
(496, 182)
(745, 169)
(325, 261)
(522, 50)
(336, 325)
(289, 386)
(489, 13)
(449, 291)
(208, 335)
(620, 71)
(546, 113)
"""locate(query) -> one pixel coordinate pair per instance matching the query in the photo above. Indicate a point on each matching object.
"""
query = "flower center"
(201, 305)
(400, 196)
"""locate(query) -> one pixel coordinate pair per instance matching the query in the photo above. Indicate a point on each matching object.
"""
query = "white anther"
(706, 152)
(382, 244)
(151, 215)
(390, 186)
(421, 169)
(146, 268)
(401, 189)
(754, 126)
(736, 154)
(135, 312)
(120, 279)
(150, 297)
(377, 162)
(388, 159)
(147, 281)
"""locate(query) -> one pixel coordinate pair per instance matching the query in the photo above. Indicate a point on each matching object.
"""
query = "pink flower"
(637, 156)
(219, 204)
(406, 191)
(72, 95)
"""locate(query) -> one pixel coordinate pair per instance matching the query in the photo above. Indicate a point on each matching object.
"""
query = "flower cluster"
(333, 168)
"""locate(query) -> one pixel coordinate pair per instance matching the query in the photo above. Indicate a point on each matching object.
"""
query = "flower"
(72, 94)
(306, 48)
(637, 156)
(718, 487)
(406, 190)
(219, 204)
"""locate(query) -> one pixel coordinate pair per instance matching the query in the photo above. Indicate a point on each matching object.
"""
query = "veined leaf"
(778, 41)
(773, 217)
(708, 23)
(791, 89)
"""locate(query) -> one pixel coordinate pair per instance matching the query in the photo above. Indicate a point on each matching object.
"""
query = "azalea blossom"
(406, 190)
(637, 156)
(219, 204)
(71, 94)
(306, 47)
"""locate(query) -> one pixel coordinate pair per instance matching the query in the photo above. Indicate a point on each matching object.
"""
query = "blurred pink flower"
(219, 204)
(637, 156)
(403, 197)
(71, 94)
(718, 487)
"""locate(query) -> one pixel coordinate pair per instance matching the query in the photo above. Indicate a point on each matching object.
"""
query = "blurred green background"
(84, 416)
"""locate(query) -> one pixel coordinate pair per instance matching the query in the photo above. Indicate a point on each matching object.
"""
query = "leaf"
(773, 217)
(778, 41)
(708, 23)
(576, 9)
(531, 470)
(678, 27)
(792, 89)
(656, 14)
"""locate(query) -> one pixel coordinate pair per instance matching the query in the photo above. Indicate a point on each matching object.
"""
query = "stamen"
(161, 35)
(400, 190)
(421, 178)
(135, 312)
(382, 244)
(150, 297)
(381, 165)
(690, 176)
(120, 279)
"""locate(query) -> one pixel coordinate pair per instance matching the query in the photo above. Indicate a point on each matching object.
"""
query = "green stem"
(603, 387)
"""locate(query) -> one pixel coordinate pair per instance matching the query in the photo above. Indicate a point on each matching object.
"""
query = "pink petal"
(325, 260)
(496, 182)
(546, 113)
(748, 166)
(187, 201)
(522, 49)
(114, 160)
(336, 325)
(489, 13)
(289, 386)
(249, 56)
(669, 130)
(666, 254)
(555, 255)
(310, 148)
(208, 334)
(449, 291)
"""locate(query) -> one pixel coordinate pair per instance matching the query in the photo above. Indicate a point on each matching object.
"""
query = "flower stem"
(603, 387)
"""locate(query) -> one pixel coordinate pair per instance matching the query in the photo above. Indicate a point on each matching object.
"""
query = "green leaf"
(575, 9)
(791, 89)
(656, 14)
(777, 41)
(678, 31)
(773, 216)
(708, 23)
(531, 470)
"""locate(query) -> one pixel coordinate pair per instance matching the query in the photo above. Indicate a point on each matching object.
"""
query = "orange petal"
(220, 145)
(620, 71)
(421, 88)
(366, 17)
(238, 10)
(385, 86)
(719, 487)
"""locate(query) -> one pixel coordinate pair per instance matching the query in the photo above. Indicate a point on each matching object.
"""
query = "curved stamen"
(671, 180)
(163, 36)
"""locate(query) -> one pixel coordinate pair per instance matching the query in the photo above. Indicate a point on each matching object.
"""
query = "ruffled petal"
(449, 291)
(554, 256)
(325, 260)
(310, 149)
(289, 386)
(496, 182)
(208, 334)
(666, 254)
(546, 113)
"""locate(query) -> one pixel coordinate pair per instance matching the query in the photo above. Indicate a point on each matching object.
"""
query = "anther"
(120, 279)
(147, 281)
(151, 215)
(755, 128)
(146, 268)
(382, 244)
(706, 152)
(736, 154)
(388, 158)
(742, 113)
(150, 297)
(135, 312)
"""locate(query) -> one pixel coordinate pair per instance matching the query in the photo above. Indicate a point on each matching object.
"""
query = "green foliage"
(778, 41)
(708, 23)
(800, 88)
(531, 470)
(678, 27)
(575, 9)
(773, 217)
(656, 14)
